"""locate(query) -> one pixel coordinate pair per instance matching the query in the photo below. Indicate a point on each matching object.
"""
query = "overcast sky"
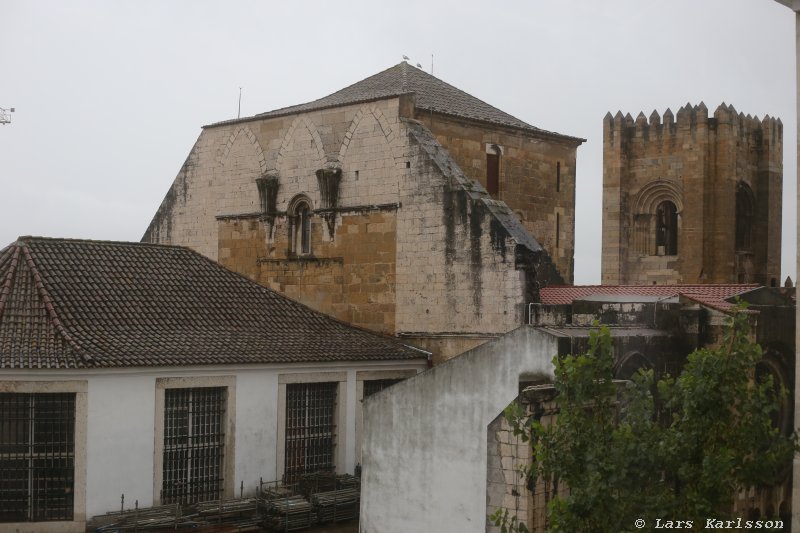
(110, 96)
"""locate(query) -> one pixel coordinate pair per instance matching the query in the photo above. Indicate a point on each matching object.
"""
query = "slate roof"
(91, 304)
(717, 296)
(431, 94)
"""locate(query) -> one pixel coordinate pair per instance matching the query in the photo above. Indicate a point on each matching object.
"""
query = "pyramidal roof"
(431, 94)
(85, 304)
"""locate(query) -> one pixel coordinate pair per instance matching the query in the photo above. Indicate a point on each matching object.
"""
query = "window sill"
(66, 526)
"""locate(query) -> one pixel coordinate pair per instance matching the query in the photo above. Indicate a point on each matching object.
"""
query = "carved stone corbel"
(268, 196)
(328, 178)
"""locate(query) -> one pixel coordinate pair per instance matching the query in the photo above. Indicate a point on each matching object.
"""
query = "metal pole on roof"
(5, 115)
(239, 114)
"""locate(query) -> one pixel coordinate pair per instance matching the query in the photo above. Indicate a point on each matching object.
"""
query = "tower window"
(666, 229)
(558, 229)
(493, 170)
(745, 211)
(558, 176)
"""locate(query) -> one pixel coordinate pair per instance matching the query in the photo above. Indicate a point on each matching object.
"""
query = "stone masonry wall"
(506, 486)
(351, 278)
(697, 162)
(537, 178)
(401, 241)
(457, 269)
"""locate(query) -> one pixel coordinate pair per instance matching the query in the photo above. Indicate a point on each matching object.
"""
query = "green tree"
(671, 449)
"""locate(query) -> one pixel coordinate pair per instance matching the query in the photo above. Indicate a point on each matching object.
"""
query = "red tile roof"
(714, 296)
(88, 304)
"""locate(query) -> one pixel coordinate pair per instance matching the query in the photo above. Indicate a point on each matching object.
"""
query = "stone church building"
(692, 198)
(400, 204)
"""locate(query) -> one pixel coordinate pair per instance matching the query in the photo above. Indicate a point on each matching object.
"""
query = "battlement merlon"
(689, 118)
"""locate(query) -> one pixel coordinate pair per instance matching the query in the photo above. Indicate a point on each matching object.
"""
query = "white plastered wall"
(121, 424)
(425, 447)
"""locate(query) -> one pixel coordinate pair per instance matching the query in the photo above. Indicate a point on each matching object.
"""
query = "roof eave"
(531, 131)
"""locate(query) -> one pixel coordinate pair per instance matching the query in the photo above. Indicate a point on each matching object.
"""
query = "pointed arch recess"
(312, 130)
(251, 137)
(388, 133)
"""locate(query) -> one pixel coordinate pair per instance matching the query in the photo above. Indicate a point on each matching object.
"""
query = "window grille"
(376, 385)
(310, 428)
(194, 444)
(37, 457)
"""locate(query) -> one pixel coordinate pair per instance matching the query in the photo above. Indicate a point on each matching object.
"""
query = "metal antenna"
(431, 64)
(5, 115)
(239, 114)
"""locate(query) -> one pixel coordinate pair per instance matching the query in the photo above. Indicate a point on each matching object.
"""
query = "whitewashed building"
(153, 372)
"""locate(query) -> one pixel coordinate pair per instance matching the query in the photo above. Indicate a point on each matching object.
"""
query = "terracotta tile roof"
(714, 296)
(86, 304)
(431, 94)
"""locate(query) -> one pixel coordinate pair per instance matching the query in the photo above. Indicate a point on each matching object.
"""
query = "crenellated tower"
(692, 198)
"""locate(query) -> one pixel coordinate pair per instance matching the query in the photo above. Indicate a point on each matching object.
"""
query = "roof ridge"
(48, 304)
(291, 108)
(5, 289)
(432, 94)
(34, 238)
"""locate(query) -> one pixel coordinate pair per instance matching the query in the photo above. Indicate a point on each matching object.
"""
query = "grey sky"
(110, 96)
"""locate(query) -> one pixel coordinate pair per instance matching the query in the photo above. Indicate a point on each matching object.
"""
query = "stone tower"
(692, 198)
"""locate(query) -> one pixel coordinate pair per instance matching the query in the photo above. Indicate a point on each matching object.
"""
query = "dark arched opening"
(666, 228)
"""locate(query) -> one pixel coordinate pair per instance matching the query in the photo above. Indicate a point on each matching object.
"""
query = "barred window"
(376, 385)
(37, 456)
(194, 444)
(310, 428)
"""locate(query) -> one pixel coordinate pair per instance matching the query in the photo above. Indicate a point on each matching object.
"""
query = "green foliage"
(500, 518)
(675, 448)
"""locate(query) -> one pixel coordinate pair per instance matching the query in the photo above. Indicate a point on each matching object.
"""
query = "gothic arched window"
(666, 228)
(300, 237)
